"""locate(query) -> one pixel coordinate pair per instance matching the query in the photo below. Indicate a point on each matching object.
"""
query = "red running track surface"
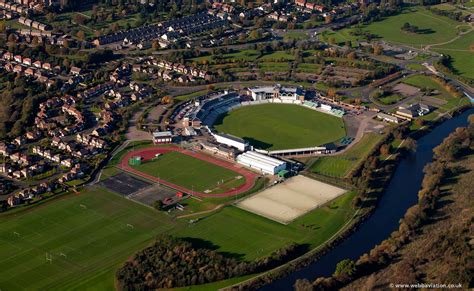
(149, 153)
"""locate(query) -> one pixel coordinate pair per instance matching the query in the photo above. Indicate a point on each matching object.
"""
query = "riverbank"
(437, 224)
(277, 275)
(447, 234)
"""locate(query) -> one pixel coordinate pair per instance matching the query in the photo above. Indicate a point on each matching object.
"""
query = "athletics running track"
(149, 153)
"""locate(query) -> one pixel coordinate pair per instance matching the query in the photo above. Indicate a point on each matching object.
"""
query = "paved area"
(133, 133)
(124, 184)
(152, 193)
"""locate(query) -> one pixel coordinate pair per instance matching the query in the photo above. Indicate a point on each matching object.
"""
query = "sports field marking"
(192, 172)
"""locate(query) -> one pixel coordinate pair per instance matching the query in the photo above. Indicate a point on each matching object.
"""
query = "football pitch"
(281, 126)
(77, 240)
(191, 173)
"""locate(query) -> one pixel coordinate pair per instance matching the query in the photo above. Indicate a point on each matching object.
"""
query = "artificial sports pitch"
(190, 172)
(293, 198)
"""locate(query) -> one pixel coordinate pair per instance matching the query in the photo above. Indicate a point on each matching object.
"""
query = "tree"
(50, 16)
(419, 122)
(345, 268)
(331, 93)
(35, 41)
(303, 285)
(80, 35)
(166, 99)
(114, 27)
(351, 56)
(79, 19)
(328, 19)
(158, 204)
(378, 49)
(410, 144)
(385, 150)
(155, 44)
(254, 34)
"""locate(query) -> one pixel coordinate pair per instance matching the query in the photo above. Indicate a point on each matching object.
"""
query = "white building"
(326, 107)
(231, 140)
(285, 94)
(261, 162)
(162, 137)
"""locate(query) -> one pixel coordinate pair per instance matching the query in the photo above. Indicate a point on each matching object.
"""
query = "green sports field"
(281, 126)
(433, 28)
(251, 236)
(462, 54)
(192, 173)
(341, 165)
(86, 236)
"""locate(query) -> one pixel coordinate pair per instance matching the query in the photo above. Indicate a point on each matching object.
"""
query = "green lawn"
(390, 99)
(88, 236)
(191, 95)
(252, 236)
(281, 126)
(277, 56)
(192, 173)
(245, 55)
(338, 37)
(274, 67)
(309, 68)
(295, 35)
(416, 67)
(436, 28)
(463, 56)
(86, 244)
(341, 165)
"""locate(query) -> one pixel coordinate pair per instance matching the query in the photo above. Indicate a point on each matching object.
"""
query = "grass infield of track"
(192, 173)
(281, 126)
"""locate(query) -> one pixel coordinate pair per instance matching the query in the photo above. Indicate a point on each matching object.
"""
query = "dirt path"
(201, 212)
(461, 34)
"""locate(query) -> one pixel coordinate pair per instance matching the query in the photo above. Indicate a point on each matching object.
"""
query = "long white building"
(261, 162)
(231, 140)
(285, 94)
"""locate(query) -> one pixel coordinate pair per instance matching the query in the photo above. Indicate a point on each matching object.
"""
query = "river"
(401, 194)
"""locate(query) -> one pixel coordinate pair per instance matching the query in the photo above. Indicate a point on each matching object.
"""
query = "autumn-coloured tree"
(166, 99)
(80, 35)
(331, 93)
(385, 150)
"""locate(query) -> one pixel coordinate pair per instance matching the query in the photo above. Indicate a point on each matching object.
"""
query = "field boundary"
(150, 152)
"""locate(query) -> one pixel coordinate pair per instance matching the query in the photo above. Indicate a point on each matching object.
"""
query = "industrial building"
(285, 94)
(261, 162)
